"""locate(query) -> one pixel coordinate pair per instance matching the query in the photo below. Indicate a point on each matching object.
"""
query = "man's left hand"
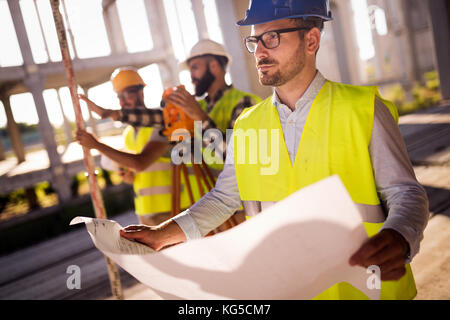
(183, 99)
(86, 139)
(387, 250)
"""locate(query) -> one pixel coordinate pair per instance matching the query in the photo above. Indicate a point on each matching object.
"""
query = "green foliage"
(18, 196)
(56, 220)
(424, 95)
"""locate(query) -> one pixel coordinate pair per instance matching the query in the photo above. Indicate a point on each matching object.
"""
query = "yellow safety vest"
(335, 140)
(152, 187)
(221, 114)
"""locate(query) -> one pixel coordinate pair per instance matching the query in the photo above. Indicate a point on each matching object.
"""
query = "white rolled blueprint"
(294, 250)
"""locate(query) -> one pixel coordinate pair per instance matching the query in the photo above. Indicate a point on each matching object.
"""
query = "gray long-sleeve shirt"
(403, 197)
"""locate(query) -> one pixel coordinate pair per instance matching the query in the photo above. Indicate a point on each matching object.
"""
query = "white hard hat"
(204, 47)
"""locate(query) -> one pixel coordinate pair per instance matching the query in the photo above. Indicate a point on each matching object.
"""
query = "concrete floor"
(39, 272)
(431, 267)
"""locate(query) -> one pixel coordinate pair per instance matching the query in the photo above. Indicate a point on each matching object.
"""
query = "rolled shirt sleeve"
(402, 195)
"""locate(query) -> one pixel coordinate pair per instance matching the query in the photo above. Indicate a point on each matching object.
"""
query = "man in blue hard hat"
(328, 128)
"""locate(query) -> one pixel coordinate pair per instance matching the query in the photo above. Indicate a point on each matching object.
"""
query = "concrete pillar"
(340, 44)
(22, 37)
(92, 121)
(13, 130)
(35, 84)
(412, 49)
(200, 20)
(242, 69)
(440, 21)
(2, 153)
(67, 127)
(161, 37)
(113, 27)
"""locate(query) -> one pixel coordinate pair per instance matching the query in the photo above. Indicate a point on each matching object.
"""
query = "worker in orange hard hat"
(215, 103)
(144, 164)
(128, 85)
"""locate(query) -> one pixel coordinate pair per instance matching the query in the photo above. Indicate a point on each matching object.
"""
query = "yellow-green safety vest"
(152, 186)
(221, 114)
(335, 140)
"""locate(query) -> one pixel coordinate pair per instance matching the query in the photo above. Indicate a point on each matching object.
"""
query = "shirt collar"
(309, 95)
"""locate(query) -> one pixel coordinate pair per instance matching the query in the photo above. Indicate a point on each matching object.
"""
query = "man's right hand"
(102, 112)
(127, 175)
(166, 234)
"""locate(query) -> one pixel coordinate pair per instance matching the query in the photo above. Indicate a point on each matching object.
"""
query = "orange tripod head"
(174, 117)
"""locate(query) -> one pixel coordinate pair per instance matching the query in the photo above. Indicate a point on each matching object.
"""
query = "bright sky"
(87, 26)
(363, 29)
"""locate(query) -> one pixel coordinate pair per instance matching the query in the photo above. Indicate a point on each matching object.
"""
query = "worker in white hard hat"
(323, 128)
(143, 164)
(219, 105)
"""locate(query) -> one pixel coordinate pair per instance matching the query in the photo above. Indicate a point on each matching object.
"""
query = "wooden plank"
(39, 272)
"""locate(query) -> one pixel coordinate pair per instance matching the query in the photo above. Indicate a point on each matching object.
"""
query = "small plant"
(424, 95)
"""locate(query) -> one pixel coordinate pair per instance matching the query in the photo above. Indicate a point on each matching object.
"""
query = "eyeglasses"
(269, 39)
(128, 93)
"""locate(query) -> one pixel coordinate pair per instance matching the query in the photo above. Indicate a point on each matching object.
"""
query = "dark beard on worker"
(284, 74)
(202, 85)
(140, 102)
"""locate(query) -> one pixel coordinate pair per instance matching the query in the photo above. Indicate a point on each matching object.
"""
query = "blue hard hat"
(262, 11)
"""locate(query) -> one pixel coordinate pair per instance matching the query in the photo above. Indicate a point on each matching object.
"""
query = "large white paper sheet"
(294, 250)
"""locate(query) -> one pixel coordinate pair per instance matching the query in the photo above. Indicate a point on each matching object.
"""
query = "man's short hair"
(222, 60)
(309, 22)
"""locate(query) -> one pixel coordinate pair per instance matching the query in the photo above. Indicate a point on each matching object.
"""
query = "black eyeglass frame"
(260, 37)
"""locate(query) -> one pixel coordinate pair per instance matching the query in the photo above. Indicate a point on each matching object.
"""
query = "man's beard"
(202, 85)
(280, 78)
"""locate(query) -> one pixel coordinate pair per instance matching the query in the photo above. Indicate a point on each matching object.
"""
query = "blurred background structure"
(402, 46)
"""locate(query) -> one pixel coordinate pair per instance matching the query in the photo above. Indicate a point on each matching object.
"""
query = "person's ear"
(214, 67)
(312, 41)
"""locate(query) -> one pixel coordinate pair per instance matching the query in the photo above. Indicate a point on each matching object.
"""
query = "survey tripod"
(205, 181)
(175, 119)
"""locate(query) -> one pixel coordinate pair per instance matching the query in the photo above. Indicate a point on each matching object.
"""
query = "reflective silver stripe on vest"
(369, 213)
(158, 166)
(152, 191)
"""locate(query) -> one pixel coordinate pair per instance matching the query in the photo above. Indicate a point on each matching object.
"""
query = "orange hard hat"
(126, 77)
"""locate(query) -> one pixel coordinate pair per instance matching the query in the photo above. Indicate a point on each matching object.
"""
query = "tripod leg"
(188, 183)
(207, 183)
(197, 176)
(208, 172)
(175, 190)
